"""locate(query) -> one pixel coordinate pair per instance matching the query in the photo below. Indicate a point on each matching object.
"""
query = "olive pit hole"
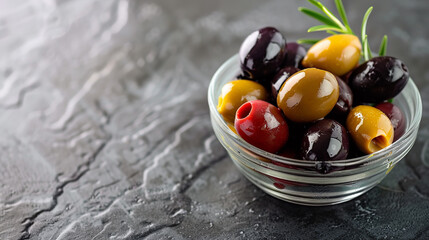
(378, 143)
(244, 111)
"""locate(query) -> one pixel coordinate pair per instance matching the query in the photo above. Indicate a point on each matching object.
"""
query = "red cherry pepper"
(262, 125)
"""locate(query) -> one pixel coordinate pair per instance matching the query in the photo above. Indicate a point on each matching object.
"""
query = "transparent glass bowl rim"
(367, 159)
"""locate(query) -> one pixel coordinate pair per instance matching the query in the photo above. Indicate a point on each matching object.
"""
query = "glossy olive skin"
(295, 53)
(288, 152)
(337, 54)
(308, 95)
(262, 125)
(237, 92)
(344, 104)
(231, 126)
(396, 117)
(370, 128)
(325, 140)
(293, 146)
(378, 79)
(262, 53)
(280, 78)
(354, 151)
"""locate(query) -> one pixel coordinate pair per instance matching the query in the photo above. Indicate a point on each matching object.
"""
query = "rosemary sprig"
(383, 46)
(329, 14)
(364, 37)
(308, 41)
(366, 50)
(332, 25)
(343, 15)
(317, 16)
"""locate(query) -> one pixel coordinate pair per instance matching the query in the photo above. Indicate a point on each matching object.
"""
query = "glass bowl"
(308, 182)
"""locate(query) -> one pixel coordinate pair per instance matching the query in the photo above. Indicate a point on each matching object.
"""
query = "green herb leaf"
(364, 22)
(331, 32)
(329, 14)
(317, 16)
(390, 100)
(366, 49)
(323, 28)
(308, 41)
(343, 15)
(383, 46)
(333, 25)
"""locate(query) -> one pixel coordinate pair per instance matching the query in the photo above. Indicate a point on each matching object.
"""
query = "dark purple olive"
(344, 103)
(396, 117)
(262, 53)
(240, 75)
(325, 140)
(346, 76)
(296, 132)
(378, 79)
(354, 151)
(280, 78)
(295, 53)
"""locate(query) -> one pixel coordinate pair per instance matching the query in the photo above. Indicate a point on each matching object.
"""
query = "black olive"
(344, 103)
(396, 117)
(295, 53)
(262, 53)
(280, 78)
(378, 79)
(325, 140)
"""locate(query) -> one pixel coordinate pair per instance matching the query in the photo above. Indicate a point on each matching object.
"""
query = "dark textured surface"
(106, 131)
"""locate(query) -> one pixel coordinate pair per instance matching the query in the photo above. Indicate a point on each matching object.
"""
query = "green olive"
(337, 54)
(308, 95)
(370, 128)
(237, 92)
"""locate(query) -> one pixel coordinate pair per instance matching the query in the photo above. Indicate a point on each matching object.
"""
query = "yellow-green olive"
(337, 54)
(231, 126)
(308, 95)
(237, 92)
(370, 128)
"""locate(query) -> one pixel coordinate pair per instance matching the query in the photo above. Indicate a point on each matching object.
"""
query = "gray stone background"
(106, 131)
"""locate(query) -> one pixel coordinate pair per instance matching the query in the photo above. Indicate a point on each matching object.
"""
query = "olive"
(241, 76)
(354, 151)
(262, 53)
(288, 152)
(296, 133)
(237, 92)
(262, 125)
(396, 117)
(370, 128)
(378, 79)
(295, 53)
(280, 78)
(344, 103)
(231, 126)
(337, 54)
(325, 140)
(308, 95)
